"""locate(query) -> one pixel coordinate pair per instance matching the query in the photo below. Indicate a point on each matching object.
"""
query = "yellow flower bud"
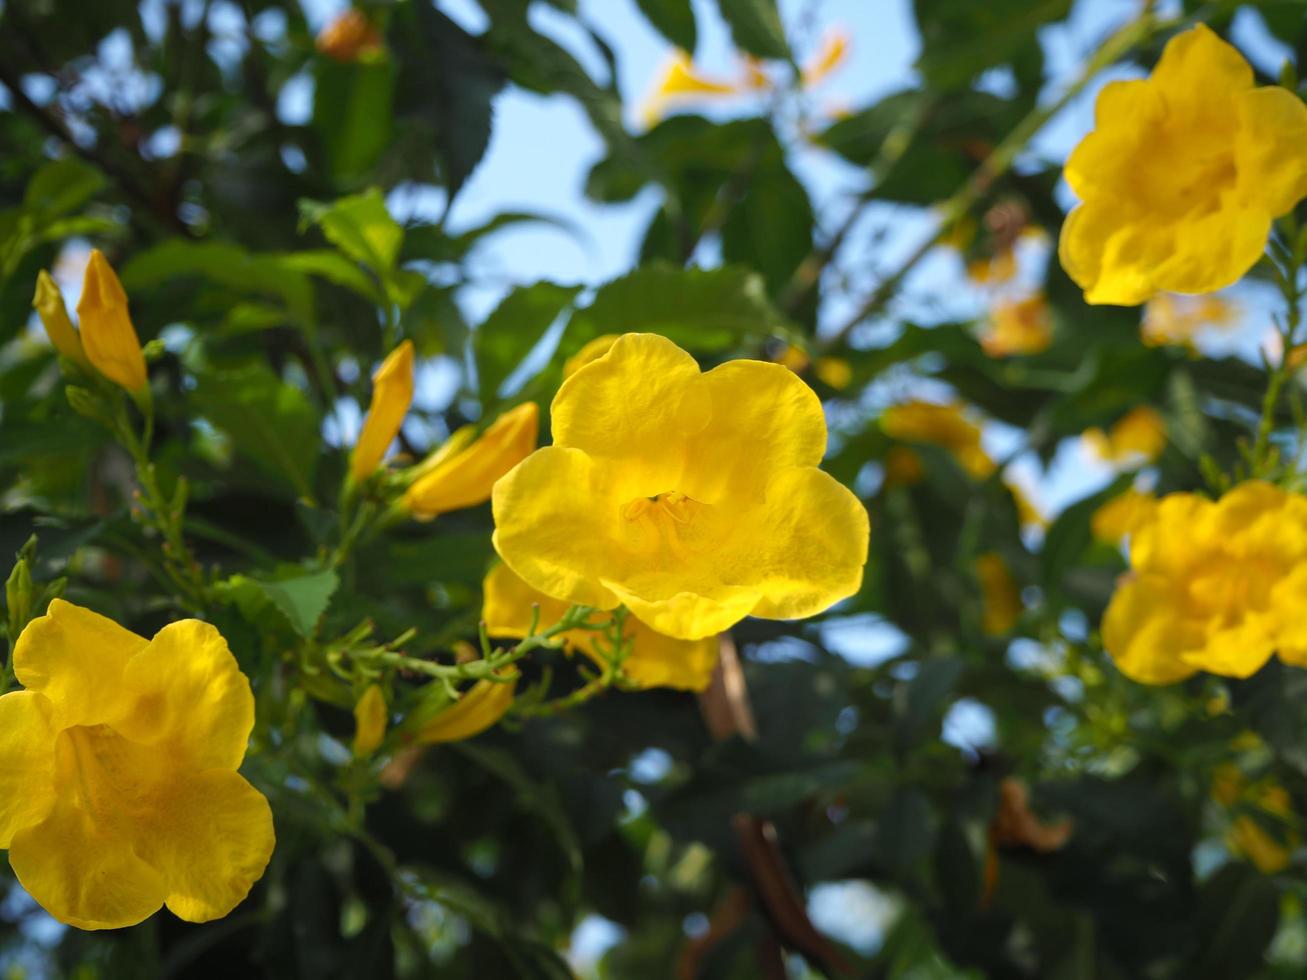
(49, 305)
(108, 336)
(463, 471)
(392, 391)
(484, 704)
(369, 721)
(1002, 599)
(350, 37)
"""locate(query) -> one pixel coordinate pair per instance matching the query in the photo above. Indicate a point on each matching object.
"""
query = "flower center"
(109, 776)
(664, 521)
(1234, 590)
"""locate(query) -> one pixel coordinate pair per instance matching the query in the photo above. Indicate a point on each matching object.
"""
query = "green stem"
(1263, 458)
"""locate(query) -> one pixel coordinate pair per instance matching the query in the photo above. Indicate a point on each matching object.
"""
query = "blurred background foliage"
(942, 777)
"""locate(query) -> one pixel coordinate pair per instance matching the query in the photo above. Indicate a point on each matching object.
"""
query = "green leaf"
(770, 229)
(333, 267)
(1238, 913)
(302, 600)
(269, 421)
(921, 701)
(674, 19)
(514, 328)
(702, 309)
(352, 113)
(960, 39)
(360, 226)
(61, 187)
(756, 27)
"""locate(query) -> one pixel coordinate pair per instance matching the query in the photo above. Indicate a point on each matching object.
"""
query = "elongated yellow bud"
(108, 336)
(49, 305)
(369, 721)
(483, 705)
(392, 391)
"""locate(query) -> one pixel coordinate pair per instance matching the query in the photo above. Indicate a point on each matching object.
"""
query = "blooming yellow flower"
(946, 426)
(1018, 327)
(351, 36)
(118, 783)
(694, 499)
(1137, 437)
(108, 337)
(833, 371)
(1173, 319)
(654, 660)
(49, 305)
(483, 704)
(1122, 516)
(1182, 175)
(392, 391)
(1001, 597)
(462, 472)
(369, 721)
(1216, 586)
(592, 351)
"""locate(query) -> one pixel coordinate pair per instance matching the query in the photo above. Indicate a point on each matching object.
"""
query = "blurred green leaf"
(756, 27)
(674, 19)
(513, 329)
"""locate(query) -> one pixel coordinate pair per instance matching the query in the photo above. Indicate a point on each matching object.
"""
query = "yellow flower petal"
(108, 336)
(828, 59)
(592, 351)
(946, 426)
(81, 874)
(1137, 437)
(478, 709)
(26, 761)
(76, 658)
(369, 721)
(211, 837)
(1269, 156)
(189, 698)
(392, 391)
(466, 477)
(1122, 516)
(1018, 327)
(1001, 598)
(49, 305)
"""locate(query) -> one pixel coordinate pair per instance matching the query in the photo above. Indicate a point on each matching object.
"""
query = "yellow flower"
(1028, 512)
(1214, 586)
(351, 36)
(993, 271)
(108, 337)
(833, 371)
(1018, 327)
(49, 305)
(369, 721)
(940, 425)
(1174, 319)
(793, 357)
(694, 499)
(1137, 437)
(1182, 175)
(592, 351)
(392, 391)
(654, 660)
(828, 59)
(1122, 516)
(679, 82)
(462, 472)
(1002, 599)
(118, 783)
(483, 704)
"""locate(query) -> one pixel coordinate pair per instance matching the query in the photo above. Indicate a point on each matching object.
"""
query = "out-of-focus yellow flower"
(903, 467)
(828, 58)
(1174, 319)
(654, 660)
(794, 358)
(1182, 175)
(1248, 836)
(1122, 516)
(1001, 597)
(463, 471)
(392, 392)
(1018, 327)
(1029, 514)
(679, 83)
(351, 36)
(369, 721)
(1214, 586)
(995, 270)
(49, 305)
(946, 426)
(693, 499)
(592, 351)
(1136, 438)
(108, 337)
(483, 704)
(833, 371)
(118, 785)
